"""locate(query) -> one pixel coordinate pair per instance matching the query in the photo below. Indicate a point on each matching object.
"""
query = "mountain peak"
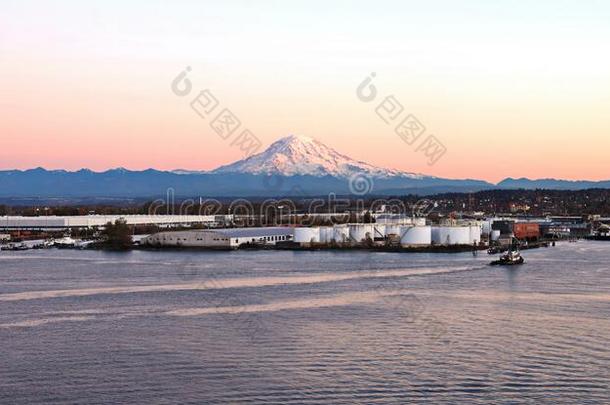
(293, 144)
(302, 155)
(296, 138)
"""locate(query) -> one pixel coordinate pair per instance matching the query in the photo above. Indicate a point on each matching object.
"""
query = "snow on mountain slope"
(301, 155)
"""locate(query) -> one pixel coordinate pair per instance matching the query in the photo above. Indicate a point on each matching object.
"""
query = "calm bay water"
(262, 327)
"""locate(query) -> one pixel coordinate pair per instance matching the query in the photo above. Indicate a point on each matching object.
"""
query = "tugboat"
(512, 257)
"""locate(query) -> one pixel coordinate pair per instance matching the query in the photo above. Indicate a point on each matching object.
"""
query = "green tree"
(367, 218)
(118, 235)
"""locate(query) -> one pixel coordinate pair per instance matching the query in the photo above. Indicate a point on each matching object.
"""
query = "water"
(304, 327)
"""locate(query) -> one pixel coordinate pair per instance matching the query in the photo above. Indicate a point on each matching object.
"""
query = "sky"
(509, 88)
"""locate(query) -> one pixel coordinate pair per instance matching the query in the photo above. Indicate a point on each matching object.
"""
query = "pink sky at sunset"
(508, 95)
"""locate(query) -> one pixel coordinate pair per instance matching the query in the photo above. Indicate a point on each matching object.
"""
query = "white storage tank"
(451, 235)
(486, 227)
(340, 233)
(369, 231)
(326, 234)
(360, 232)
(307, 235)
(379, 230)
(416, 236)
(392, 229)
(460, 235)
(475, 234)
(437, 235)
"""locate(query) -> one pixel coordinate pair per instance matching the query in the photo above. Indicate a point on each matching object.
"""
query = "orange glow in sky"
(521, 90)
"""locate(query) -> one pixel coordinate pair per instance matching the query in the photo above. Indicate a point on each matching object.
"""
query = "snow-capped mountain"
(301, 155)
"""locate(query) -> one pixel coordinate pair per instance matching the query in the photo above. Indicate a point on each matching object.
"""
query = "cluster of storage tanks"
(407, 235)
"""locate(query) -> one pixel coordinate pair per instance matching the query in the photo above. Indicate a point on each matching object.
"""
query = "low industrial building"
(505, 226)
(227, 238)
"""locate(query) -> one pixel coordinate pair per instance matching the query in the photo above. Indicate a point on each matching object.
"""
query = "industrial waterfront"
(368, 230)
(339, 327)
(366, 306)
(322, 309)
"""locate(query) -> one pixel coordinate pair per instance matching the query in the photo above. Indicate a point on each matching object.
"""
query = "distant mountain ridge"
(154, 183)
(554, 184)
(291, 166)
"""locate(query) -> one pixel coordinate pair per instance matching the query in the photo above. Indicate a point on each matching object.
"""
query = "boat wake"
(222, 283)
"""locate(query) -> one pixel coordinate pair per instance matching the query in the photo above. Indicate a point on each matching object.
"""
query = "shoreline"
(294, 247)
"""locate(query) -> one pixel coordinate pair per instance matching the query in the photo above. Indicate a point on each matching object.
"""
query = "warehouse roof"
(82, 221)
(248, 232)
(237, 232)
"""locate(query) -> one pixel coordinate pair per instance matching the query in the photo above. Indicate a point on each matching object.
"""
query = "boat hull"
(507, 262)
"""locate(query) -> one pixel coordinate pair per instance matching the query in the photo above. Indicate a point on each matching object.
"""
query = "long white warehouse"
(228, 238)
(90, 221)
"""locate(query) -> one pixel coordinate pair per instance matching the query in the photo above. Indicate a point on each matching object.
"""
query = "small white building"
(227, 238)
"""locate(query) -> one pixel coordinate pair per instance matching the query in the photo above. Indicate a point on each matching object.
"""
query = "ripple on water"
(280, 327)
